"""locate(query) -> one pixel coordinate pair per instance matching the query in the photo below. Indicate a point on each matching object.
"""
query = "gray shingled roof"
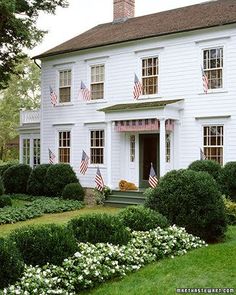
(194, 17)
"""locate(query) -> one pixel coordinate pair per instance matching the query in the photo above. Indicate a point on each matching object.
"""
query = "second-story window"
(64, 147)
(213, 67)
(65, 86)
(97, 81)
(150, 73)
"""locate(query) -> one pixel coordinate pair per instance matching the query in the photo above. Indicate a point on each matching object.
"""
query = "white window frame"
(216, 146)
(212, 69)
(59, 147)
(28, 151)
(158, 74)
(132, 148)
(168, 148)
(64, 86)
(100, 82)
(104, 146)
(38, 151)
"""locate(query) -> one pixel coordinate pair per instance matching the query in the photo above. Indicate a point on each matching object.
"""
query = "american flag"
(205, 81)
(137, 87)
(99, 180)
(84, 163)
(84, 92)
(153, 181)
(53, 97)
(202, 155)
(52, 157)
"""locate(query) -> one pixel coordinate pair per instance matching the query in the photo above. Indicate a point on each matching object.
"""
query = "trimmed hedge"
(228, 180)
(5, 201)
(41, 244)
(100, 228)
(139, 218)
(11, 263)
(36, 182)
(192, 200)
(209, 166)
(73, 191)
(4, 167)
(230, 208)
(15, 178)
(57, 177)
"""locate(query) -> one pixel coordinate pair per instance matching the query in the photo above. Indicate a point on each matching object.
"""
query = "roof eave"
(40, 56)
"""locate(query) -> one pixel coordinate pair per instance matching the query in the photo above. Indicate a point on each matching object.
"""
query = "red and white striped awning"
(142, 125)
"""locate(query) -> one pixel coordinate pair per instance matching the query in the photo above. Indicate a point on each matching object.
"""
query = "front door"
(149, 153)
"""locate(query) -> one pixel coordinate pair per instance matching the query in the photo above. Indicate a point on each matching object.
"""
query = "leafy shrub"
(191, 199)
(39, 245)
(100, 228)
(209, 166)
(230, 208)
(11, 263)
(4, 167)
(36, 180)
(57, 177)
(1, 187)
(38, 207)
(139, 218)
(228, 180)
(5, 201)
(73, 191)
(15, 178)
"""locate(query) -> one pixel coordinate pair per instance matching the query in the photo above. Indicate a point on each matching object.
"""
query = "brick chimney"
(123, 9)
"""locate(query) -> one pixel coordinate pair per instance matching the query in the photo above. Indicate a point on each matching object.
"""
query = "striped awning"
(142, 125)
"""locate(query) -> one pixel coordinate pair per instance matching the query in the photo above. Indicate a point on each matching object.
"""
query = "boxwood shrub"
(192, 200)
(5, 201)
(230, 208)
(4, 167)
(139, 218)
(209, 166)
(11, 263)
(57, 177)
(44, 243)
(100, 228)
(228, 180)
(15, 178)
(36, 180)
(73, 191)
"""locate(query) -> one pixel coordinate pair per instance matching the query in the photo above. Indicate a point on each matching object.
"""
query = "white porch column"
(162, 146)
(109, 153)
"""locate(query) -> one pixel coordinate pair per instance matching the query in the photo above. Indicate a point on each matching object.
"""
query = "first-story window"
(150, 71)
(64, 147)
(65, 86)
(97, 81)
(97, 143)
(36, 152)
(26, 151)
(132, 148)
(168, 147)
(213, 142)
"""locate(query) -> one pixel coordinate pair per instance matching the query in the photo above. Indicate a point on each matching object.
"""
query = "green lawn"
(58, 218)
(212, 267)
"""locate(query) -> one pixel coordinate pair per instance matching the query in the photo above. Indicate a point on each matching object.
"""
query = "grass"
(58, 218)
(211, 267)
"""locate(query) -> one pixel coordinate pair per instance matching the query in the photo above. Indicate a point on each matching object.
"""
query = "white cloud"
(85, 14)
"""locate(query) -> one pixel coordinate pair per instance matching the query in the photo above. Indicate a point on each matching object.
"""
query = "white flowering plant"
(94, 264)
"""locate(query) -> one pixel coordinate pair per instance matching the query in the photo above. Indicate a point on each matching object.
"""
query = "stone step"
(121, 204)
(134, 199)
(128, 193)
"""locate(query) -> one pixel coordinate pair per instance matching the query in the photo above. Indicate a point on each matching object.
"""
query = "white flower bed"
(94, 264)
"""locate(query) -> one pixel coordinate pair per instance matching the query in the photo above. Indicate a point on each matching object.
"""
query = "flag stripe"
(86, 95)
(84, 163)
(153, 181)
(137, 91)
(52, 157)
(53, 96)
(205, 81)
(99, 180)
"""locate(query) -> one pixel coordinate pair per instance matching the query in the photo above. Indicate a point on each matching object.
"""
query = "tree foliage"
(23, 92)
(18, 31)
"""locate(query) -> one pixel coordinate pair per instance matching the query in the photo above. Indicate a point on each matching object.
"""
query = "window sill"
(96, 101)
(64, 104)
(214, 92)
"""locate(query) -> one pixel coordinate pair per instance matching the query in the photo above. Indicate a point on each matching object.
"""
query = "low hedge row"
(38, 207)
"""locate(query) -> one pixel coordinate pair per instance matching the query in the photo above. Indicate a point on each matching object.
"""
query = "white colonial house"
(173, 54)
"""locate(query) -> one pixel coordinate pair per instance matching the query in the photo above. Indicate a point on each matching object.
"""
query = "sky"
(82, 15)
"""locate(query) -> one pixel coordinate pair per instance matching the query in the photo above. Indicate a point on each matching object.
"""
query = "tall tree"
(23, 93)
(18, 31)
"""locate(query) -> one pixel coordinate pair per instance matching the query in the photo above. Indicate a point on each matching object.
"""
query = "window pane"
(150, 75)
(97, 147)
(64, 146)
(213, 143)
